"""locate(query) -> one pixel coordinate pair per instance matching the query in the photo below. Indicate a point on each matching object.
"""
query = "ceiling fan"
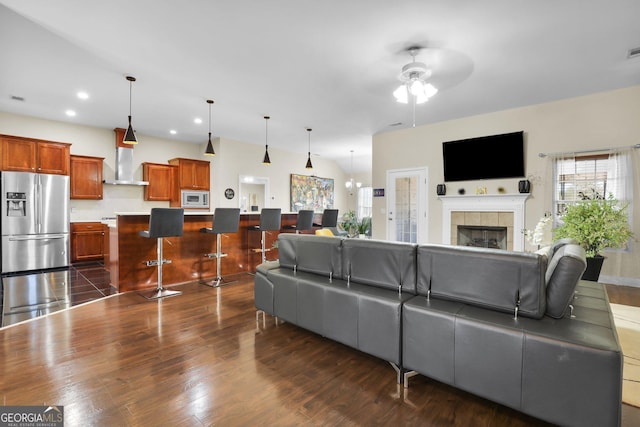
(414, 78)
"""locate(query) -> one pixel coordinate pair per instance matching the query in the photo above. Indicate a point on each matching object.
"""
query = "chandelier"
(351, 184)
(414, 78)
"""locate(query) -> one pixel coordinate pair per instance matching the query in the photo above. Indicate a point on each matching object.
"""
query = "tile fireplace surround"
(505, 210)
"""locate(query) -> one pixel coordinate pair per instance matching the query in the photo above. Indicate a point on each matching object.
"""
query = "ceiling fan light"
(401, 94)
(416, 87)
(430, 90)
(421, 98)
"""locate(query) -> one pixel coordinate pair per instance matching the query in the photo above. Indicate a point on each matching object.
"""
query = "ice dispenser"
(16, 204)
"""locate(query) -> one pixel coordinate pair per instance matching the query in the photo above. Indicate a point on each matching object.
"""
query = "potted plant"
(353, 226)
(595, 224)
(364, 226)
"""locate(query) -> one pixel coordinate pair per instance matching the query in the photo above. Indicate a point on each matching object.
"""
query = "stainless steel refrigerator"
(35, 221)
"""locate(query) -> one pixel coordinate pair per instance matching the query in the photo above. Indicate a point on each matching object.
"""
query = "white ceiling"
(331, 65)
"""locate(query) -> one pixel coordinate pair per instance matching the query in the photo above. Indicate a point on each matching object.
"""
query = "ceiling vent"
(633, 53)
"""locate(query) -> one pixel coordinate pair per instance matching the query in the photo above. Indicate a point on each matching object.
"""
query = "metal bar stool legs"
(225, 220)
(159, 291)
(163, 222)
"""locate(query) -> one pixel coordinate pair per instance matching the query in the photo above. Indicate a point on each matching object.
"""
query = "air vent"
(633, 53)
(17, 98)
(396, 124)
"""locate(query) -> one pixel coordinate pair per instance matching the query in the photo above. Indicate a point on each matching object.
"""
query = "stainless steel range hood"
(124, 164)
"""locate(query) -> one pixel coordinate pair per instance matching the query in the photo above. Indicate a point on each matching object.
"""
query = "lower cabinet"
(87, 241)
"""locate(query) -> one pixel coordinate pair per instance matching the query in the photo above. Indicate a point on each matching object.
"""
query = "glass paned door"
(406, 206)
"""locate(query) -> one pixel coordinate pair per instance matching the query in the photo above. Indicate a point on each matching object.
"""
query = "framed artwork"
(311, 192)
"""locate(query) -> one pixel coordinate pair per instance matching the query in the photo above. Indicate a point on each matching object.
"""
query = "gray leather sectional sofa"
(520, 329)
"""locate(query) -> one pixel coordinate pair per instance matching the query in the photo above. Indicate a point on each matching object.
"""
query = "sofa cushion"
(314, 254)
(565, 270)
(490, 278)
(385, 264)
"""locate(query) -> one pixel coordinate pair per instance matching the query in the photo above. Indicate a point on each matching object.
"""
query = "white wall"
(608, 119)
(232, 158)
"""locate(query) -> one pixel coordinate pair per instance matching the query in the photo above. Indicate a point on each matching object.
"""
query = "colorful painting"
(311, 192)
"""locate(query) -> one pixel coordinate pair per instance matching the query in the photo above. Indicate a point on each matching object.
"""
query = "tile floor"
(31, 295)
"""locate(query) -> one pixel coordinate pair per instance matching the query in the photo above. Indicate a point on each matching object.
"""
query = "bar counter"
(128, 251)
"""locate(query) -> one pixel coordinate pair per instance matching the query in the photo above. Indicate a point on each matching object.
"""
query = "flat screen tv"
(487, 157)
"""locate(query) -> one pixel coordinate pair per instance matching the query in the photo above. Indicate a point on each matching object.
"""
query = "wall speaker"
(441, 189)
(524, 186)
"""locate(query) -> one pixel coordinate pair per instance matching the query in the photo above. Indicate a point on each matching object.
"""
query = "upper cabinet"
(86, 177)
(192, 174)
(161, 180)
(34, 155)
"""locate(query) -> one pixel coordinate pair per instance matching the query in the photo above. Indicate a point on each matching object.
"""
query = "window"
(589, 177)
(365, 202)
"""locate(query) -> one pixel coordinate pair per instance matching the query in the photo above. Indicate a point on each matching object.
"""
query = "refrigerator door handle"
(45, 237)
(38, 204)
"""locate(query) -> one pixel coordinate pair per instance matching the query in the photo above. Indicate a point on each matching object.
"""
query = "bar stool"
(269, 221)
(303, 222)
(163, 222)
(329, 218)
(225, 220)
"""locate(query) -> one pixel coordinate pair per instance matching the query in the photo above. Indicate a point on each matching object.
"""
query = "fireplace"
(482, 236)
(487, 210)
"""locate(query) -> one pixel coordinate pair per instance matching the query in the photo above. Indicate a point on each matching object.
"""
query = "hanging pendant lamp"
(129, 136)
(209, 151)
(266, 160)
(309, 165)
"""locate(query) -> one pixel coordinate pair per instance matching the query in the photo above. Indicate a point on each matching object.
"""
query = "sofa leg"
(398, 372)
(407, 375)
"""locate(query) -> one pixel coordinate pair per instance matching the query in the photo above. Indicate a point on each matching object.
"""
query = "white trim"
(486, 203)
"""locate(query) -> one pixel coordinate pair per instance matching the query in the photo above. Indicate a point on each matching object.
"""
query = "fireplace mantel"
(485, 203)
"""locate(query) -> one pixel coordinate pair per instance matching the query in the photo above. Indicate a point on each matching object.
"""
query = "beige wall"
(232, 159)
(608, 119)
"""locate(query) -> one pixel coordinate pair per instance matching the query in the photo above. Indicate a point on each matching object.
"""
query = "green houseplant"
(353, 226)
(595, 224)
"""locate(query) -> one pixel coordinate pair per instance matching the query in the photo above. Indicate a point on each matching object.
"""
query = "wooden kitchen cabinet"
(87, 241)
(86, 177)
(34, 155)
(161, 180)
(192, 174)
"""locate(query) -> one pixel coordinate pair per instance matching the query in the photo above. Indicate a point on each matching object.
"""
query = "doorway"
(407, 205)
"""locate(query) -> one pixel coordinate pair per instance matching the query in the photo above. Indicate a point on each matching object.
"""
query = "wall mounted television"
(487, 157)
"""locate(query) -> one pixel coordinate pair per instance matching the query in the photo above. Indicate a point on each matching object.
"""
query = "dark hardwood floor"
(199, 359)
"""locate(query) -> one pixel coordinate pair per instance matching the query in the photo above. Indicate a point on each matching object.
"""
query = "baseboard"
(622, 281)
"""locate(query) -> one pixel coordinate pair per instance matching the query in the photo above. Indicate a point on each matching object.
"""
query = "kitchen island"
(128, 251)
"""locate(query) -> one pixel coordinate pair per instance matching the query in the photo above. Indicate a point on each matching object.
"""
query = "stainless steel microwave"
(194, 199)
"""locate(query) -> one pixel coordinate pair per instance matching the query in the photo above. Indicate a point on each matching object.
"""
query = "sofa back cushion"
(314, 254)
(489, 278)
(385, 264)
(563, 274)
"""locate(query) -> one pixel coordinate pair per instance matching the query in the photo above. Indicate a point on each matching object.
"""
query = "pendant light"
(351, 184)
(266, 160)
(209, 151)
(309, 165)
(129, 136)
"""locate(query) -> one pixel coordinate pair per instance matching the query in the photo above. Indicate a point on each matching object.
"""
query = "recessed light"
(197, 120)
(173, 131)
(82, 95)
(70, 113)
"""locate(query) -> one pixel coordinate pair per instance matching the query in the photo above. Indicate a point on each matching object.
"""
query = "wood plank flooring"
(198, 360)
